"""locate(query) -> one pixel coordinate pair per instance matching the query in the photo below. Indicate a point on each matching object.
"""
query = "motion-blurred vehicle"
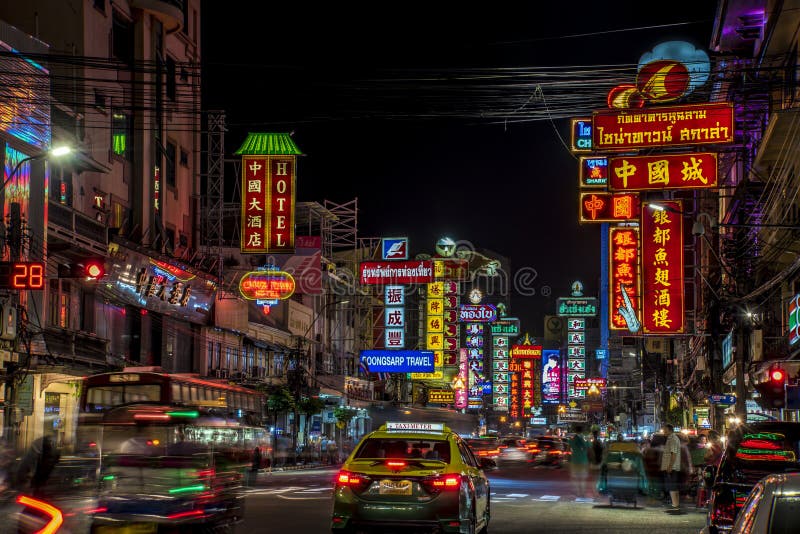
(513, 449)
(753, 451)
(413, 475)
(548, 450)
(486, 447)
(622, 474)
(772, 506)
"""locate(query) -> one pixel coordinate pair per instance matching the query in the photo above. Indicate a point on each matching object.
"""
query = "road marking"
(313, 490)
(584, 499)
(268, 491)
(551, 498)
(517, 495)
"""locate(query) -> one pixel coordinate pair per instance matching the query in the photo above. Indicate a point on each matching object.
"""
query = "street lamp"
(56, 152)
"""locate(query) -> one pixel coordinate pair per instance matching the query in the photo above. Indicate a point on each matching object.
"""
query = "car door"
(477, 477)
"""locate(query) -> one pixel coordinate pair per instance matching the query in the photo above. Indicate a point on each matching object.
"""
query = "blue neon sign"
(398, 361)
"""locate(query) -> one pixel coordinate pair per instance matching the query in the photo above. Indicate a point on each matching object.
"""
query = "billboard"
(623, 277)
(696, 170)
(268, 204)
(699, 124)
(396, 272)
(394, 248)
(551, 376)
(609, 207)
(662, 268)
(398, 361)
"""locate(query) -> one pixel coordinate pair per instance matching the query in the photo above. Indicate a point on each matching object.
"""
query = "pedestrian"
(671, 467)
(37, 465)
(714, 450)
(597, 449)
(579, 462)
(256, 459)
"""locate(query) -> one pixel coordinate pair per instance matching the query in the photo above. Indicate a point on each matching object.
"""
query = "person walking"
(579, 462)
(671, 467)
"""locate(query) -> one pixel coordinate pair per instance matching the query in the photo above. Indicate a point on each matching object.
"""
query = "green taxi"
(420, 475)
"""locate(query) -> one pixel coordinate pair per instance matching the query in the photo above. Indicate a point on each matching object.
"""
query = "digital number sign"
(22, 275)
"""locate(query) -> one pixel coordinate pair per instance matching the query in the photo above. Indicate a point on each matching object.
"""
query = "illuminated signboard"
(526, 351)
(593, 172)
(477, 313)
(141, 281)
(666, 171)
(699, 124)
(268, 204)
(460, 383)
(394, 317)
(551, 376)
(441, 396)
(266, 285)
(514, 396)
(398, 361)
(662, 269)
(396, 272)
(623, 275)
(587, 383)
(394, 248)
(609, 207)
(22, 275)
(581, 131)
(451, 269)
(794, 320)
(576, 307)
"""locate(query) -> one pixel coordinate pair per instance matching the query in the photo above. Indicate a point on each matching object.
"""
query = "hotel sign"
(700, 124)
(268, 204)
(666, 171)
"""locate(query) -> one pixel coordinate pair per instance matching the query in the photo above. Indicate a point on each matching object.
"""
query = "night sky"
(423, 164)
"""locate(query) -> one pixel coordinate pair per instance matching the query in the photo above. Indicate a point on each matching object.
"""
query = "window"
(784, 514)
(121, 134)
(218, 357)
(184, 158)
(171, 163)
(122, 39)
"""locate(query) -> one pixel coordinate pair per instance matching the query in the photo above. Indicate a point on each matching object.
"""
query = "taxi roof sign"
(436, 428)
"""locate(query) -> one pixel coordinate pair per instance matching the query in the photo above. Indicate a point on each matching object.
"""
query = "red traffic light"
(777, 375)
(94, 269)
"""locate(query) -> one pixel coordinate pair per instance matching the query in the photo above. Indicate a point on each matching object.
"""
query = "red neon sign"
(266, 285)
(664, 126)
(623, 271)
(609, 207)
(666, 171)
(22, 275)
(662, 269)
(268, 204)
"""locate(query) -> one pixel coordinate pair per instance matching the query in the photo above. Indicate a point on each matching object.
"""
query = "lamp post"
(15, 232)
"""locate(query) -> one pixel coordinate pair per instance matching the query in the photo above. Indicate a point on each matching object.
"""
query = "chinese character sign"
(268, 204)
(460, 384)
(662, 269)
(696, 170)
(700, 124)
(623, 275)
(394, 317)
(609, 207)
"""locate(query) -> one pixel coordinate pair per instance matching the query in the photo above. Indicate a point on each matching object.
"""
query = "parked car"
(753, 451)
(773, 506)
(548, 450)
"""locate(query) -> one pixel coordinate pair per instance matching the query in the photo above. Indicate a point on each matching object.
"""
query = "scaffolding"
(212, 201)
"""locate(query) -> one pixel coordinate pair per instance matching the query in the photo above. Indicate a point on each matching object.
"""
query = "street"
(523, 498)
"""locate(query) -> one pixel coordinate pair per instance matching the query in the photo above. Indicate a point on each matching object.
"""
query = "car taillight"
(442, 483)
(395, 464)
(53, 515)
(723, 510)
(351, 480)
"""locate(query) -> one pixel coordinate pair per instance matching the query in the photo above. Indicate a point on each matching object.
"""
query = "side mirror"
(488, 463)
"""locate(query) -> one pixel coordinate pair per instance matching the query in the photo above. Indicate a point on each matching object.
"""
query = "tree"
(309, 406)
(278, 402)
(343, 415)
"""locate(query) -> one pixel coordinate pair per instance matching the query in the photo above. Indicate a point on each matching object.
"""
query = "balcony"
(169, 12)
(67, 226)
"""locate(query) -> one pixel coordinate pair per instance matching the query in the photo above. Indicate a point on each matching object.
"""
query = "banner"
(699, 124)
(696, 170)
(662, 268)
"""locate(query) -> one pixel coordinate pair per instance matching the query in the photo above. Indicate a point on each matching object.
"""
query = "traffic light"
(773, 390)
(92, 268)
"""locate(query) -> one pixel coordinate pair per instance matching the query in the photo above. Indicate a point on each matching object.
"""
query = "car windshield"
(416, 449)
(784, 515)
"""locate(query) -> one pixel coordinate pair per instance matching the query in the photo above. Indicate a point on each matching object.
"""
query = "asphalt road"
(524, 500)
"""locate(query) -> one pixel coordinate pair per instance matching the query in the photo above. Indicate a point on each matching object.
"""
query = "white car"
(773, 506)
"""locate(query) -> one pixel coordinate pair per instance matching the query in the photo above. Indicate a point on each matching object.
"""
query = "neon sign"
(609, 207)
(624, 276)
(581, 135)
(696, 170)
(266, 285)
(662, 269)
(593, 172)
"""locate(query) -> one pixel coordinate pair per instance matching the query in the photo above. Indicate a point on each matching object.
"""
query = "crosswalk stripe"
(548, 498)
(517, 495)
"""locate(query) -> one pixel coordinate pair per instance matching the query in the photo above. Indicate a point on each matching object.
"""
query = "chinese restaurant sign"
(593, 172)
(665, 171)
(609, 207)
(662, 269)
(700, 124)
(268, 204)
(396, 272)
(623, 272)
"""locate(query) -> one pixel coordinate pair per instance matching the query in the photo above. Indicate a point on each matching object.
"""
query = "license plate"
(133, 528)
(395, 487)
